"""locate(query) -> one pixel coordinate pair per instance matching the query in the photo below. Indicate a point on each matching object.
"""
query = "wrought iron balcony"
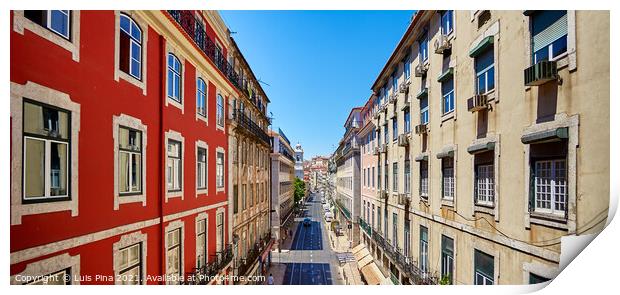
(202, 275)
(365, 226)
(247, 124)
(344, 209)
(197, 33)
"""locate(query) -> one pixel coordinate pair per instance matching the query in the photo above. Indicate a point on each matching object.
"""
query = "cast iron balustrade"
(365, 226)
(247, 262)
(203, 275)
(244, 121)
(408, 266)
(196, 31)
(344, 209)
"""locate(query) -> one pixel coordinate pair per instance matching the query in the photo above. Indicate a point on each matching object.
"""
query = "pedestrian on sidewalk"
(270, 280)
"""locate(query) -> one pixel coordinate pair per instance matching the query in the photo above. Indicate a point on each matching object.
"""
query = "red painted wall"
(90, 82)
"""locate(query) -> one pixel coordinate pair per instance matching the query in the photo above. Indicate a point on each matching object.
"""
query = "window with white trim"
(174, 165)
(424, 110)
(130, 161)
(424, 179)
(219, 233)
(130, 49)
(46, 147)
(447, 258)
(485, 71)
(201, 97)
(219, 172)
(423, 49)
(447, 94)
(220, 110)
(484, 266)
(130, 265)
(395, 177)
(484, 186)
(549, 34)
(173, 253)
(423, 249)
(447, 22)
(407, 175)
(551, 190)
(201, 168)
(57, 21)
(447, 171)
(201, 243)
(174, 78)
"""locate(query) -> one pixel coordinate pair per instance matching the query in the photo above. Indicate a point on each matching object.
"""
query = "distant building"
(299, 161)
(282, 176)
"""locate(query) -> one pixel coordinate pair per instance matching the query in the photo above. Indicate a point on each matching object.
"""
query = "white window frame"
(202, 190)
(48, 266)
(485, 184)
(134, 123)
(170, 49)
(42, 94)
(179, 225)
(448, 180)
(220, 172)
(138, 82)
(125, 241)
(175, 136)
(202, 217)
(485, 72)
(20, 23)
(220, 111)
(552, 186)
(201, 95)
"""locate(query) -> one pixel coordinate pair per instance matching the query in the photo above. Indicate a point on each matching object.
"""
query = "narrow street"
(308, 258)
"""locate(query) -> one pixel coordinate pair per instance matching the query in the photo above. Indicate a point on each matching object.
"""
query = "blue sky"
(318, 64)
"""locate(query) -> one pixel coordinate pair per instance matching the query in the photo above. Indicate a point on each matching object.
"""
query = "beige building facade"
(250, 147)
(492, 142)
(282, 188)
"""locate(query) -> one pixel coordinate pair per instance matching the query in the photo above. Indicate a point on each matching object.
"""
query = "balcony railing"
(202, 275)
(344, 209)
(246, 263)
(365, 226)
(196, 31)
(244, 121)
(408, 266)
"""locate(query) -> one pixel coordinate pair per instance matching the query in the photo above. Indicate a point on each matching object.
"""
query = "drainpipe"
(161, 176)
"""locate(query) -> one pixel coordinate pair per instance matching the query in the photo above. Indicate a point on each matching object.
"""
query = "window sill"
(447, 202)
(202, 191)
(203, 118)
(448, 116)
(488, 209)
(179, 105)
(548, 220)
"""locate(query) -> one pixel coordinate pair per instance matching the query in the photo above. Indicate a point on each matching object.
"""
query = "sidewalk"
(348, 273)
(278, 269)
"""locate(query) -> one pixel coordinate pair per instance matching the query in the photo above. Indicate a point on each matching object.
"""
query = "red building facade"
(119, 148)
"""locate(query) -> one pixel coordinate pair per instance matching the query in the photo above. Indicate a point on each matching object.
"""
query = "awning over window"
(481, 147)
(446, 75)
(446, 153)
(545, 135)
(372, 274)
(484, 44)
(421, 157)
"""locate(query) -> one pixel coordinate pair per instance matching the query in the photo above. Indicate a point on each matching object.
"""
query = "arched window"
(130, 47)
(201, 97)
(174, 77)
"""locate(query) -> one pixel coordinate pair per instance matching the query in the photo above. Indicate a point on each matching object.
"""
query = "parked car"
(307, 221)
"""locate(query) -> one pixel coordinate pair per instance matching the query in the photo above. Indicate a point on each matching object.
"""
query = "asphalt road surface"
(310, 260)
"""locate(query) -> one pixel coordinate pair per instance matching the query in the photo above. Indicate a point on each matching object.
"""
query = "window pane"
(45, 121)
(123, 173)
(135, 32)
(60, 22)
(559, 46)
(58, 169)
(484, 60)
(491, 79)
(135, 68)
(34, 167)
(125, 26)
(136, 172)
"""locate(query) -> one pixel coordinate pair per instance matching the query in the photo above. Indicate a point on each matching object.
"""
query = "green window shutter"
(553, 32)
